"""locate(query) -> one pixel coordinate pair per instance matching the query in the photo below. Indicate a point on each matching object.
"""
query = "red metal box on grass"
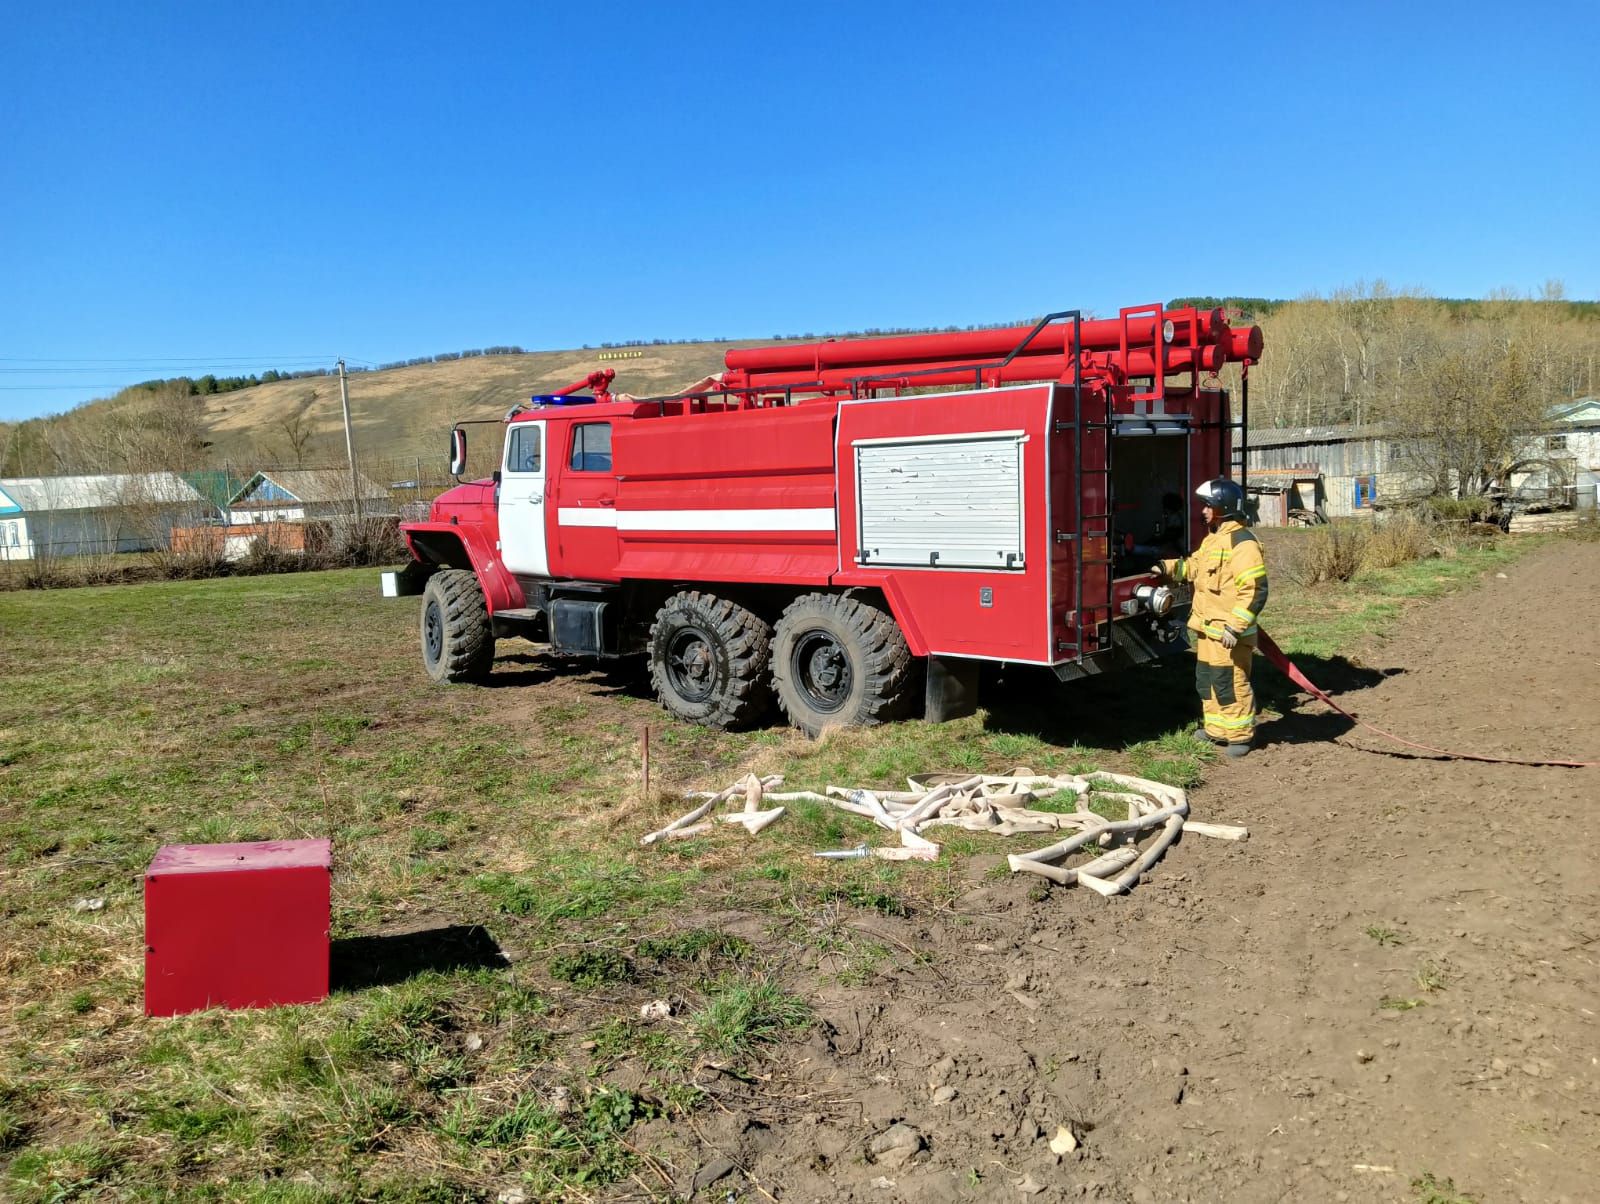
(236, 925)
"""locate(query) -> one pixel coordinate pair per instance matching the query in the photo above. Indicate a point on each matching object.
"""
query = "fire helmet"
(1223, 496)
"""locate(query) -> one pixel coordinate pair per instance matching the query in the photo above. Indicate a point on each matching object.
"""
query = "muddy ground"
(1397, 975)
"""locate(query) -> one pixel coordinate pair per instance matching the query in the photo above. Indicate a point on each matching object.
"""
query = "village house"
(45, 517)
(298, 495)
(1339, 471)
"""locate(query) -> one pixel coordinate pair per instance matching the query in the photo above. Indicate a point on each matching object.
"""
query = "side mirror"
(458, 452)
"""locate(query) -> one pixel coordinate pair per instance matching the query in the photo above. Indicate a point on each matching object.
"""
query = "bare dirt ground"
(1397, 975)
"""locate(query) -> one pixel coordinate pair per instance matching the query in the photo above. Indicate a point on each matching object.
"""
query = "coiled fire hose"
(1276, 655)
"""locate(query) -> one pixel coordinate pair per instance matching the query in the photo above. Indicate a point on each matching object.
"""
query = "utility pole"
(349, 443)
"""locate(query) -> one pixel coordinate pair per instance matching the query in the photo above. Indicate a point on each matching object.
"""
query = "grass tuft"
(1429, 1189)
(584, 887)
(1395, 1003)
(1431, 976)
(693, 946)
(567, 1148)
(14, 1126)
(870, 896)
(746, 1013)
(589, 968)
(1176, 759)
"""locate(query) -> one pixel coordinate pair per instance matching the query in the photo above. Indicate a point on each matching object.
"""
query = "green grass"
(561, 1150)
(1431, 976)
(280, 707)
(844, 951)
(588, 968)
(1429, 1189)
(584, 887)
(696, 946)
(1396, 1003)
(746, 1013)
(1329, 619)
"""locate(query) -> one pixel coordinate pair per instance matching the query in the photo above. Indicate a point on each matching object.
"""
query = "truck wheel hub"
(433, 631)
(690, 664)
(822, 670)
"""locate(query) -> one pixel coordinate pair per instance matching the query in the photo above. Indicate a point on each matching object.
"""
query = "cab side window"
(591, 447)
(522, 449)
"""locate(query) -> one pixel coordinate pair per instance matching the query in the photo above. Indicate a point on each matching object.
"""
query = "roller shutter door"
(943, 502)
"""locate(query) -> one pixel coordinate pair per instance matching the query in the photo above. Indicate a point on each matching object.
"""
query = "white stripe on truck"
(817, 519)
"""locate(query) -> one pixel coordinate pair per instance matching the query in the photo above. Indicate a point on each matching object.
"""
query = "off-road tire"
(708, 660)
(457, 633)
(841, 660)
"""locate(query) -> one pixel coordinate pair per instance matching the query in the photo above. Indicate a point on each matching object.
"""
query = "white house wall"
(82, 533)
(15, 542)
(239, 516)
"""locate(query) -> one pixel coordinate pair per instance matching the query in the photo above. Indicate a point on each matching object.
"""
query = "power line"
(165, 367)
(122, 384)
(166, 359)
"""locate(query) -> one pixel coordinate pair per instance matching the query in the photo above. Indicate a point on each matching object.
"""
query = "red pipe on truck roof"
(1190, 326)
(956, 372)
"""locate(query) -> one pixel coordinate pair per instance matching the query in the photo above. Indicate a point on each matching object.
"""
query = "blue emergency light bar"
(552, 399)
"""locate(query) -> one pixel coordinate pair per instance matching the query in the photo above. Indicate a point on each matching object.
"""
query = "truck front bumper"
(407, 582)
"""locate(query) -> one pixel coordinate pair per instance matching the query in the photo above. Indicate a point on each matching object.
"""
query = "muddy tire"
(840, 660)
(708, 660)
(457, 635)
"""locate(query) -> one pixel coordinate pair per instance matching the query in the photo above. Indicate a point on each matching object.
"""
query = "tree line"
(1460, 391)
(159, 426)
(1459, 383)
(1373, 355)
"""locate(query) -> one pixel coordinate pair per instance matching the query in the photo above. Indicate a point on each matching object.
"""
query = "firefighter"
(1229, 576)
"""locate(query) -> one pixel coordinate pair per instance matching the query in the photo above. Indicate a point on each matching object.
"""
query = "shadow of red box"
(236, 925)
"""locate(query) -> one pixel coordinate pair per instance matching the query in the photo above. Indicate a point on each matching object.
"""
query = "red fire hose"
(1276, 655)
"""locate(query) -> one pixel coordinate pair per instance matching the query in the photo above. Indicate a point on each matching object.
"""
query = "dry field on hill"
(408, 411)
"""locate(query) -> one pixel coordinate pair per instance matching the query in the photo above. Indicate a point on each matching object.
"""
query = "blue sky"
(199, 187)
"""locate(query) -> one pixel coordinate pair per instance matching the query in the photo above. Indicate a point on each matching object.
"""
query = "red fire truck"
(849, 526)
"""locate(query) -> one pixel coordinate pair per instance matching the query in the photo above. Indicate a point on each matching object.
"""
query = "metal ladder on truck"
(1091, 532)
(1238, 465)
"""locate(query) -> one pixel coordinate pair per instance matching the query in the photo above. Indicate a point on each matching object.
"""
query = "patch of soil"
(1396, 974)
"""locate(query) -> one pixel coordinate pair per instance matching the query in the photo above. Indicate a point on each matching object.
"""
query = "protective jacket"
(1229, 576)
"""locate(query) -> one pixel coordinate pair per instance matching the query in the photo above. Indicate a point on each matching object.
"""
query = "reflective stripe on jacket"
(1229, 575)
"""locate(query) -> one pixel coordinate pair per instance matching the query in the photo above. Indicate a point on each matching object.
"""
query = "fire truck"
(851, 527)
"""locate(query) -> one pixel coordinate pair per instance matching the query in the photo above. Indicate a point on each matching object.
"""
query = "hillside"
(399, 413)
(1359, 355)
(404, 412)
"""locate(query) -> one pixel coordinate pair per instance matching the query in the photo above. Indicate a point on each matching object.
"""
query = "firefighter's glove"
(1158, 571)
(1228, 638)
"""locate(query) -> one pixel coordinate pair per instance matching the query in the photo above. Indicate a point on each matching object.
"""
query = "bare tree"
(1466, 426)
(297, 432)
